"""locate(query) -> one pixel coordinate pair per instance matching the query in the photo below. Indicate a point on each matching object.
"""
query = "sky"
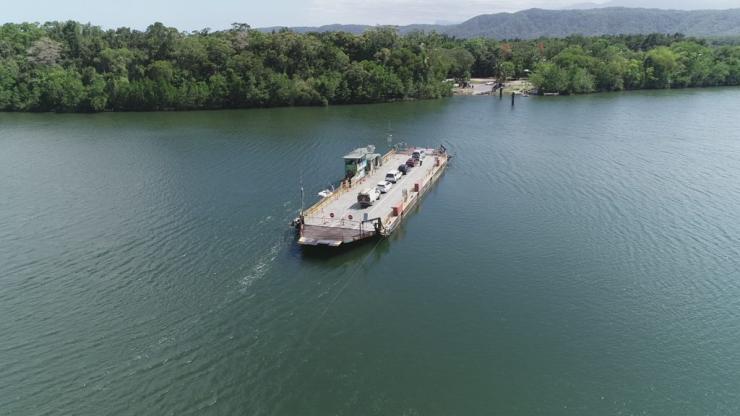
(219, 14)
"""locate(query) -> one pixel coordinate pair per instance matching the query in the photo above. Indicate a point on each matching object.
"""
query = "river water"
(581, 256)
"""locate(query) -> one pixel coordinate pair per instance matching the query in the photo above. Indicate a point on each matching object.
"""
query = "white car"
(393, 176)
(384, 186)
(367, 197)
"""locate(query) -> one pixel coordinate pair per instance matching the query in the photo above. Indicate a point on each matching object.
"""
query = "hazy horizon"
(219, 14)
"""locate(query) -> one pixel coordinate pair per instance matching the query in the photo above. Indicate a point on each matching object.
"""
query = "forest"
(74, 67)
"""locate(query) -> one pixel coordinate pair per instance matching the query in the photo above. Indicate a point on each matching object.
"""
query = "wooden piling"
(512, 98)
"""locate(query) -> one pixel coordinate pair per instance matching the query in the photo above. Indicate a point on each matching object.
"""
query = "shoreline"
(487, 86)
(507, 91)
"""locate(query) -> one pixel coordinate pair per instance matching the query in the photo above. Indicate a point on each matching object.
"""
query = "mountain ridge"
(534, 23)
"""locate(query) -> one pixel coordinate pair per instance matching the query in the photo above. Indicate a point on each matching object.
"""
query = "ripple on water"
(573, 247)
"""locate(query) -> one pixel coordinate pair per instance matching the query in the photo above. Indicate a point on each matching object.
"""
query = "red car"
(412, 162)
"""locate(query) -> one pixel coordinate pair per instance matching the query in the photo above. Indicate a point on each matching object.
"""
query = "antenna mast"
(302, 194)
(389, 137)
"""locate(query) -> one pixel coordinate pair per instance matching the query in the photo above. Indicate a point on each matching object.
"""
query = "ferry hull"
(337, 221)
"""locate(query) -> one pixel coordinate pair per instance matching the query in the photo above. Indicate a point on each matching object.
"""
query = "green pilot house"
(361, 161)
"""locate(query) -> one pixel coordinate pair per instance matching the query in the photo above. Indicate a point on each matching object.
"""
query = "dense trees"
(578, 65)
(67, 66)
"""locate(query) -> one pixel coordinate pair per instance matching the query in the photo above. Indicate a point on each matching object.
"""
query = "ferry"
(358, 209)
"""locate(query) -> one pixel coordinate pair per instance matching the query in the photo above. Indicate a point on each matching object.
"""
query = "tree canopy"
(68, 66)
(611, 63)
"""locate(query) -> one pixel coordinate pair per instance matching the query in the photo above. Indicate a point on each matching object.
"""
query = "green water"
(581, 256)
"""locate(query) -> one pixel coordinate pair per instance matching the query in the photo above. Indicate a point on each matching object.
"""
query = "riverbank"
(489, 86)
(482, 86)
(164, 69)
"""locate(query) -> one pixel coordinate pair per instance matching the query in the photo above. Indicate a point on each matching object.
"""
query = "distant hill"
(534, 23)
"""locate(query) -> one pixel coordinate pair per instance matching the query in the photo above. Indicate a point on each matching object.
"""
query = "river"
(581, 256)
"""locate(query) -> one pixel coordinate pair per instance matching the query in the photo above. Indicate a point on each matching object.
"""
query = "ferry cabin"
(361, 161)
